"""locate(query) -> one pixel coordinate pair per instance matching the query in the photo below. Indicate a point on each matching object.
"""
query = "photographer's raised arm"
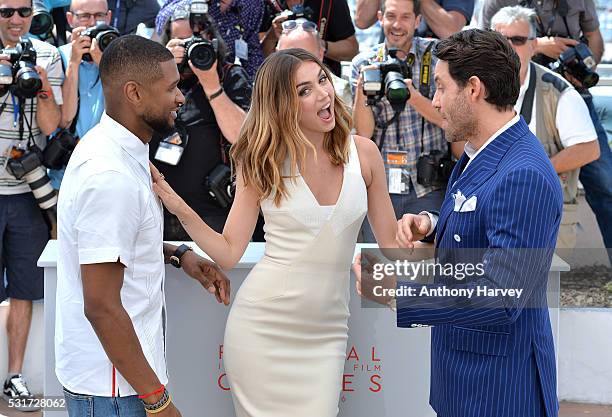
(363, 117)
(48, 113)
(596, 43)
(423, 105)
(225, 248)
(70, 87)
(228, 114)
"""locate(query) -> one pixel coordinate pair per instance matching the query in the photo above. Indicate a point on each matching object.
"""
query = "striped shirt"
(48, 58)
(405, 133)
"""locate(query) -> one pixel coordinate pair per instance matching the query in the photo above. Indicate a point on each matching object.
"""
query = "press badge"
(242, 49)
(169, 150)
(398, 176)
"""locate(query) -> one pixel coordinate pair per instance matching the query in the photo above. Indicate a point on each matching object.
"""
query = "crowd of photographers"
(51, 95)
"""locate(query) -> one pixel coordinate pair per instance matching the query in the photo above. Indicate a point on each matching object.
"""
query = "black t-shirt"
(339, 25)
(205, 144)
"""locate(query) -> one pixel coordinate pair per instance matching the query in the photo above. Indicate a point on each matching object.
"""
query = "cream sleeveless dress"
(286, 335)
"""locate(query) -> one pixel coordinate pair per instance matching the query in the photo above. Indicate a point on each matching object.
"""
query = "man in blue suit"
(491, 356)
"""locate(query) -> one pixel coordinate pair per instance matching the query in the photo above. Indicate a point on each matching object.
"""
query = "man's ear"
(70, 19)
(417, 21)
(132, 91)
(476, 89)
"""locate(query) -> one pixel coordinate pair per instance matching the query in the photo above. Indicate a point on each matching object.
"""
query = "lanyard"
(16, 110)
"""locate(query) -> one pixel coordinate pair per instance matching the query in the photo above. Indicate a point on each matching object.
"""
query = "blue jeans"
(596, 178)
(80, 405)
(407, 203)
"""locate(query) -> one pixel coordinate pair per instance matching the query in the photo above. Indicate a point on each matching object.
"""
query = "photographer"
(29, 111)
(333, 21)
(563, 25)
(194, 159)
(407, 130)
(82, 90)
(555, 113)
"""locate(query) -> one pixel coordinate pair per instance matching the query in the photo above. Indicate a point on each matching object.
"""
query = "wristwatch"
(175, 259)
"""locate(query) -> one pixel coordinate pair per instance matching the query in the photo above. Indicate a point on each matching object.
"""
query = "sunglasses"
(519, 40)
(307, 25)
(8, 12)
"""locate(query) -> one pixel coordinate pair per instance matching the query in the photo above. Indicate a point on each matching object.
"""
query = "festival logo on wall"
(362, 372)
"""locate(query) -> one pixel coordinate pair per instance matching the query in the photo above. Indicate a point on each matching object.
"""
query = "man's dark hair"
(132, 57)
(416, 6)
(487, 55)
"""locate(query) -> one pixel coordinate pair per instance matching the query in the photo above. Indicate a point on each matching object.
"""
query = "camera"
(299, 12)
(387, 80)
(58, 151)
(30, 168)
(201, 52)
(103, 34)
(220, 185)
(21, 75)
(578, 61)
(42, 21)
(434, 168)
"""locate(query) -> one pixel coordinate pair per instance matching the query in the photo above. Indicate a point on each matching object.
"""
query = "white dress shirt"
(107, 212)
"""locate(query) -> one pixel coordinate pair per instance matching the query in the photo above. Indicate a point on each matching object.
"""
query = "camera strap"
(527, 106)
(323, 21)
(385, 125)
(425, 85)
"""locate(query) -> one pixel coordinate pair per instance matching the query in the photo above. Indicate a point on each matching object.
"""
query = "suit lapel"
(479, 171)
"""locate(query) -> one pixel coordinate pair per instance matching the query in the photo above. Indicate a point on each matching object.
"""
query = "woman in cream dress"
(286, 335)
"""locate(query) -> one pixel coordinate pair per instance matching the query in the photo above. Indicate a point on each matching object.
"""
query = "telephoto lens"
(29, 168)
(42, 21)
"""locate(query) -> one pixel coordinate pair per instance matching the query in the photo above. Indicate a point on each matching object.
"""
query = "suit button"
(457, 238)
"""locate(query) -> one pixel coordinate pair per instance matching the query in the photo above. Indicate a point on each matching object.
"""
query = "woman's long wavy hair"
(271, 134)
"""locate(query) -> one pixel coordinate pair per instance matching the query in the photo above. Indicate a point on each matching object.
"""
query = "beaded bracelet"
(160, 405)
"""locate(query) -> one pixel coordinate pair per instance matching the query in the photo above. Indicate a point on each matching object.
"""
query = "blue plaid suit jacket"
(495, 357)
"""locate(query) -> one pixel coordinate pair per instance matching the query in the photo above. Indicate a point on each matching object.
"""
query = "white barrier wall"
(386, 371)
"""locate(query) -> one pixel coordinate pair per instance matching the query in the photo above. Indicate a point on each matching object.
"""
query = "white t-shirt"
(573, 120)
(107, 211)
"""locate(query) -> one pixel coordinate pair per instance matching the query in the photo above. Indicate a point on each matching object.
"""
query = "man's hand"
(178, 50)
(414, 93)
(46, 86)
(412, 228)
(80, 45)
(95, 52)
(552, 47)
(277, 25)
(208, 274)
(209, 78)
(365, 282)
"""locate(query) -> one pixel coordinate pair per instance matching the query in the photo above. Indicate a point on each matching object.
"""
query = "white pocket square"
(459, 200)
(469, 205)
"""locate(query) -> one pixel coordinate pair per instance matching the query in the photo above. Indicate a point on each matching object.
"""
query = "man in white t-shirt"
(554, 111)
(110, 336)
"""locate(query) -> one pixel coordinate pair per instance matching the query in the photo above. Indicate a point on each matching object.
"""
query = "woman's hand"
(169, 197)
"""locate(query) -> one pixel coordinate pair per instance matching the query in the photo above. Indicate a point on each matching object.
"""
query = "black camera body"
(434, 168)
(103, 34)
(578, 61)
(220, 185)
(387, 80)
(57, 153)
(29, 167)
(299, 12)
(21, 75)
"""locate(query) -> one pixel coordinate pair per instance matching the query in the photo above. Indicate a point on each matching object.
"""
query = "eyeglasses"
(519, 40)
(85, 17)
(8, 12)
(307, 25)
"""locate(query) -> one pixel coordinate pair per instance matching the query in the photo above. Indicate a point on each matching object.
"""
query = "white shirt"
(573, 120)
(107, 211)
